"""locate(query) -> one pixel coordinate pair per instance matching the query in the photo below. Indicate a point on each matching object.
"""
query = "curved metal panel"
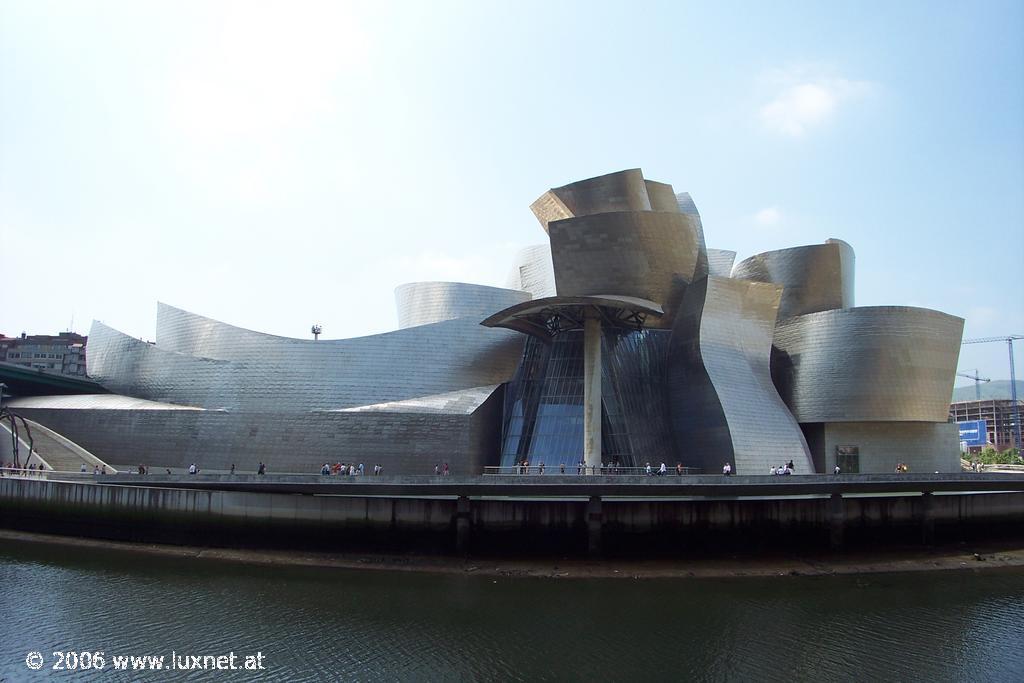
(422, 303)
(724, 407)
(645, 254)
(720, 262)
(686, 205)
(817, 277)
(533, 272)
(553, 315)
(870, 364)
(619, 191)
(461, 402)
(661, 196)
(130, 366)
(255, 371)
(92, 402)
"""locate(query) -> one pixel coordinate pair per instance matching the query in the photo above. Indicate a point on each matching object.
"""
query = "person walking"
(445, 472)
(727, 470)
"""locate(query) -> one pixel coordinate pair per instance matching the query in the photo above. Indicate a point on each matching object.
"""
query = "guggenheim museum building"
(622, 338)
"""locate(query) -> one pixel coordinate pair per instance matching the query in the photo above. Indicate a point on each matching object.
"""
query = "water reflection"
(315, 624)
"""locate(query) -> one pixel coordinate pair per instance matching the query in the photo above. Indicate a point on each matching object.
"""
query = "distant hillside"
(996, 389)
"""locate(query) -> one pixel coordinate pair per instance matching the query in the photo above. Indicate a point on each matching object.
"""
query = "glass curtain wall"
(543, 414)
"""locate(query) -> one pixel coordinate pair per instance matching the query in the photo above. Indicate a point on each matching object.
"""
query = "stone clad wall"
(923, 446)
(404, 442)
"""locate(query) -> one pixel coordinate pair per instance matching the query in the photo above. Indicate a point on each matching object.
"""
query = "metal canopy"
(547, 317)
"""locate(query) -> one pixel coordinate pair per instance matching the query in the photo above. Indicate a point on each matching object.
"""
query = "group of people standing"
(29, 470)
(782, 469)
(348, 469)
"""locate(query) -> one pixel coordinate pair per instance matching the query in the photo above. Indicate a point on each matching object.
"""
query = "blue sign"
(973, 433)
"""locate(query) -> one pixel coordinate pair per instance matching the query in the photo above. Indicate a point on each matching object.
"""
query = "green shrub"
(991, 456)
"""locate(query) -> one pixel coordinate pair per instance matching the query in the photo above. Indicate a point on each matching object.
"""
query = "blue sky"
(278, 164)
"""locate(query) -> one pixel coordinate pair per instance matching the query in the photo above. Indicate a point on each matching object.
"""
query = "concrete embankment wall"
(244, 519)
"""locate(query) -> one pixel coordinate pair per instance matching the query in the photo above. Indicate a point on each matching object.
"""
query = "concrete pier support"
(595, 522)
(592, 392)
(462, 525)
(927, 518)
(836, 521)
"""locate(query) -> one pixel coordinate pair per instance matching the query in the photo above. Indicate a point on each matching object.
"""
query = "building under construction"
(998, 417)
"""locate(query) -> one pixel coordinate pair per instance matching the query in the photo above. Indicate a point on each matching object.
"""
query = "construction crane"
(1013, 378)
(977, 382)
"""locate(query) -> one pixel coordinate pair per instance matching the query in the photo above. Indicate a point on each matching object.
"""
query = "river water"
(329, 624)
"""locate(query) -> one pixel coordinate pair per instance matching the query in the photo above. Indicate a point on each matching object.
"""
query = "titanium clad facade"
(720, 262)
(533, 272)
(871, 364)
(422, 303)
(770, 365)
(462, 402)
(661, 196)
(723, 405)
(639, 254)
(621, 191)
(818, 277)
(239, 369)
(685, 205)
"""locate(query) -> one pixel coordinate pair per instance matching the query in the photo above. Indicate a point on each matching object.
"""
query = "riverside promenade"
(559, 485)
(555, 513)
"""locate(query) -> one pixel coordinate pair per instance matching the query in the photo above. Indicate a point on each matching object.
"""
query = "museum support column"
(592, 391)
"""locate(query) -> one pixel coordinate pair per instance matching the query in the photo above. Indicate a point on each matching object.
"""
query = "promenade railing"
(580, 470)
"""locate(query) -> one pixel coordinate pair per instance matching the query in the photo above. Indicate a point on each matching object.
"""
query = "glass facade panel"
(543, 417)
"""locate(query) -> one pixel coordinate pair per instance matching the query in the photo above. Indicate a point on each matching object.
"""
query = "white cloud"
(806, 97)
(768, 217)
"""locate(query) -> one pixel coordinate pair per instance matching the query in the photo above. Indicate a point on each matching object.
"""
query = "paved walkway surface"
(574, 486)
